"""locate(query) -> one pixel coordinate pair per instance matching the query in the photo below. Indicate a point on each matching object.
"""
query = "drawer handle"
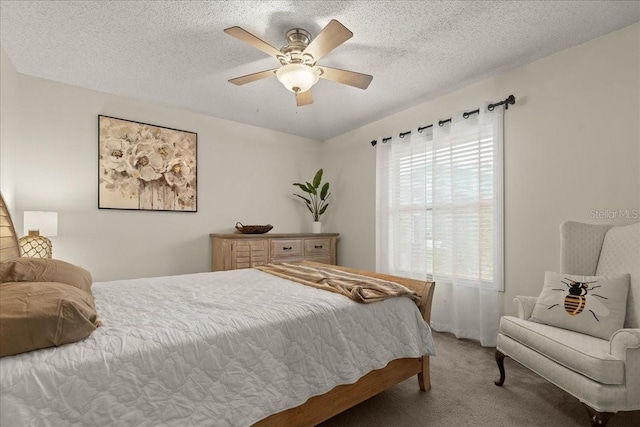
(318, 246)
(287, 248)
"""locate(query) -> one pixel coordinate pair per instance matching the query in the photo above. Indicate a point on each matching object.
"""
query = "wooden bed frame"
(318, 408)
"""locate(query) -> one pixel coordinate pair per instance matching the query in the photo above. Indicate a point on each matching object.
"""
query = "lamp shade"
(298, 77)
(44, 222)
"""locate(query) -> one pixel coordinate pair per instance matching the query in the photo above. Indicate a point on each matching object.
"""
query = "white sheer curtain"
(440, 217)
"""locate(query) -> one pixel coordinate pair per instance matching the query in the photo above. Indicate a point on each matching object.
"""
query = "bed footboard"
(320, 408)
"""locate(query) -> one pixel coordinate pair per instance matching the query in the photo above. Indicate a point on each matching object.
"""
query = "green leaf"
(311, 189)
(323, 209)
(303, 187)
(323, 192)
(303, 198)
(317, 179)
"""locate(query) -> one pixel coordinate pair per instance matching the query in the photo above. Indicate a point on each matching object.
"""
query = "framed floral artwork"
(146, 167)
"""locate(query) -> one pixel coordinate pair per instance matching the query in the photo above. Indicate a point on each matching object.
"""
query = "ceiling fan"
(299, 70)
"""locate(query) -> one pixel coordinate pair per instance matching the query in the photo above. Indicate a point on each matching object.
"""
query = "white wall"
(8, 133)
(572, 145)
(245, 174)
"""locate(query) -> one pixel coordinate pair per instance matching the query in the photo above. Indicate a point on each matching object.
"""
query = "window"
(439, 217)
(439, 213)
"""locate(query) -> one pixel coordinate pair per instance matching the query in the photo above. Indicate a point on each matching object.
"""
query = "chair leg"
(598, 419)
(500, 362)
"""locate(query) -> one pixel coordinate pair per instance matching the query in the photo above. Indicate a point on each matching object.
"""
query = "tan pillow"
(45, 270)
(43, 314)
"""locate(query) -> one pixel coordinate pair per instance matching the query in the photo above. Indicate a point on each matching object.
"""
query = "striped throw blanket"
(359, 288)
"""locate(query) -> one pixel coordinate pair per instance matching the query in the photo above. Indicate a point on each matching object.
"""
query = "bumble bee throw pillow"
(592, 305)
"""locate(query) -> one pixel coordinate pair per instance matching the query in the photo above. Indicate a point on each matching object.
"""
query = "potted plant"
(315, 199)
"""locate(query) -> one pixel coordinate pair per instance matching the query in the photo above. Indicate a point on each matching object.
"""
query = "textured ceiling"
(175, 53)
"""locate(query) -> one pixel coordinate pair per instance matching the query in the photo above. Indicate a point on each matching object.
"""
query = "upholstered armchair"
(603, 374)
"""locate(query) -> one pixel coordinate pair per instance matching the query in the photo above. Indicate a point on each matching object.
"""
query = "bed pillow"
(43, 314)
(592, 305)
(45, 270)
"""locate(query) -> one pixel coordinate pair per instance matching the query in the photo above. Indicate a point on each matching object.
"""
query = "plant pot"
(316, 227)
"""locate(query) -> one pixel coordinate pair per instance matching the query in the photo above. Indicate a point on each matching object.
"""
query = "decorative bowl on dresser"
(233, 251)
(253, 229)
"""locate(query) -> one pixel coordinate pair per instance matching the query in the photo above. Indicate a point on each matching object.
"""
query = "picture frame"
(146, 167)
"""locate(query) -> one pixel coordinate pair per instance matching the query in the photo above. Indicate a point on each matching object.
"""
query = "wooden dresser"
(232, 251)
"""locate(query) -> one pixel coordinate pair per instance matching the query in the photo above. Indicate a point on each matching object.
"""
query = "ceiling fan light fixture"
(299, 70)
(298, 77)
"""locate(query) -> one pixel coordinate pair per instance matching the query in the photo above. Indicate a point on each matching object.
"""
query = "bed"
(235, 348)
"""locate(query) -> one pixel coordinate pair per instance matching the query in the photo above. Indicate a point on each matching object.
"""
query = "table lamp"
(37, 226)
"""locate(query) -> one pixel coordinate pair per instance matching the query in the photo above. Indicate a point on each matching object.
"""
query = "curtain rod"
(510, 100)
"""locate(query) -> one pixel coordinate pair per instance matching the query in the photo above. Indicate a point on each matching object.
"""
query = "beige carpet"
(463, 394)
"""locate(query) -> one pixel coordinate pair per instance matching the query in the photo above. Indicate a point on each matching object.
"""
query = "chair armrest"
(623, 340)
(625, 345)
(524, 305)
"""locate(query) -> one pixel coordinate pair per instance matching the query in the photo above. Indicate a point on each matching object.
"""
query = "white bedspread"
(223, 349)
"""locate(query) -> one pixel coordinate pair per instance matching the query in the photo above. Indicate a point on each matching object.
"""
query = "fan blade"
(304, 98)
(345, 77)
(253, 77)
(331, 36)
(254, 41)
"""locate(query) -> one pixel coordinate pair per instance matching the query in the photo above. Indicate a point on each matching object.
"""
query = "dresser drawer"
(249, 254)
(317, 247)
(286, 248)
(322, 259)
